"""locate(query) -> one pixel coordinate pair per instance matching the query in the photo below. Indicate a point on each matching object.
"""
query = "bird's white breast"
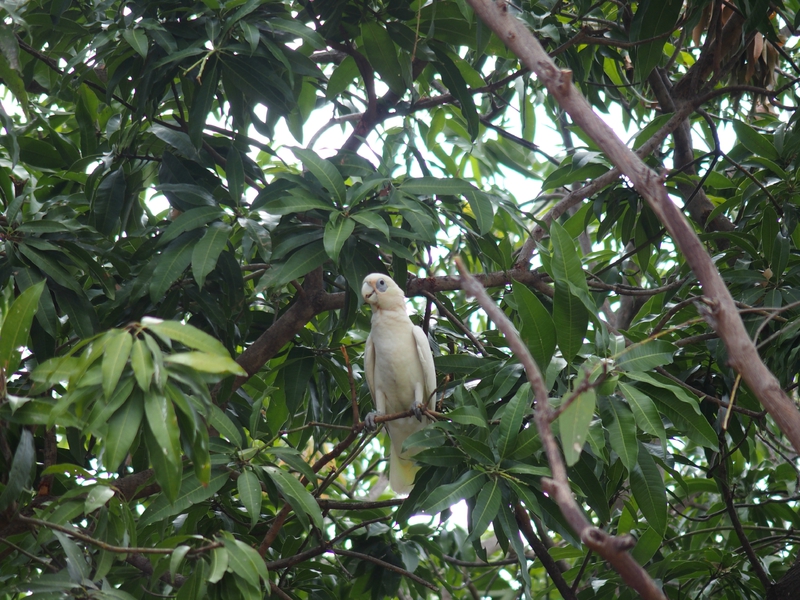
(397, 366)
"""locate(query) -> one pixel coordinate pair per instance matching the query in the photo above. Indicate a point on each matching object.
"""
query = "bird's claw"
(418, 408)
(369, 420)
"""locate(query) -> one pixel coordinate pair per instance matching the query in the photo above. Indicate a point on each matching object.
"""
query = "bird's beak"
(368, 292)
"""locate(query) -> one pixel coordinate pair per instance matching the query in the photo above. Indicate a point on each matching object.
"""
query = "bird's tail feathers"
(401, 472)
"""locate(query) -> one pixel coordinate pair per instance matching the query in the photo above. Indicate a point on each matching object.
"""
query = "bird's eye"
(382, 285)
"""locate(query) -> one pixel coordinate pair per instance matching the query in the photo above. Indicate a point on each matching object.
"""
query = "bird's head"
(381, 292)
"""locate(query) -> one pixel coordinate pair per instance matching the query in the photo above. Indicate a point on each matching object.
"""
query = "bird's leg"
(418, 405)
(369, 420)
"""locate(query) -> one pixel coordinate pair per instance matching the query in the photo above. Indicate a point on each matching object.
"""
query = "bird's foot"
(369, 420)
(418, 408)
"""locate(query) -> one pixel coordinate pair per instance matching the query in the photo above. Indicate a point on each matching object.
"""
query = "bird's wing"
(369, 372)
(428, 369)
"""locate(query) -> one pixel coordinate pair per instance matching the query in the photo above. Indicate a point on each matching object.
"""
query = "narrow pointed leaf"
(115, 357)
(621, 426)
(250, 495)
(573, 423)
(445, 496)
(649, 491)
(17, 326)
(206, 252)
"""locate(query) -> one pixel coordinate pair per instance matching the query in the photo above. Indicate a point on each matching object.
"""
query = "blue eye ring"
(381, 285)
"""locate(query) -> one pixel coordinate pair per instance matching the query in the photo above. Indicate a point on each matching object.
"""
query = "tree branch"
(613, 549)
(720, 310)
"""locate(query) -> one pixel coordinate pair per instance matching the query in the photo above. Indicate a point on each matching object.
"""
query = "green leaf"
(372, 221)
(246, 562)
(191, 492)
(297, 202)
(123, 427)
(97, 497)
(486, 506)
(137, 40)
(618, 420)
(343, 75)
(250, 495)
(325, 172)
(223, 424)
(571, 320)
(170, 266)
(115, 357)
(482, 209)
(648, 489)
(646, 356)
(295, 494)
(177, 558)
(680, 408)
(219, 564)
(163, 443)
(302, 262)
(19, 474)
(431, 186)
(646, 546)
(50, 267)
(445, 496)
(466, 415)
(142, 364)
(538, 330)
(208, 363)
(108, 202)
(16, 328)
(206, 252)
(755, 142)
(190, 220)
(382, 54)
(652, 19)
(187, 335)
(644, 411)
(76, 562)
(511, 421)
(573, 423)
(454, 80)
(566, 265)
(296, 28)
(336, 234)
(234, 172)
(509, 527)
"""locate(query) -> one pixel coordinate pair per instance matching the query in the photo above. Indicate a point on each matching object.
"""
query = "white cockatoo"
(400, 373)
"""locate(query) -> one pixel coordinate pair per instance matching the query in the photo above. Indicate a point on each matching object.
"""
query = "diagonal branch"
(721, 310)
(613, 549)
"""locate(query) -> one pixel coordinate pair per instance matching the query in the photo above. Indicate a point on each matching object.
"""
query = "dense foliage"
(182, 329)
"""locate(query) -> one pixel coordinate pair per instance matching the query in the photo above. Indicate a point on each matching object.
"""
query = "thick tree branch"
(613, 549)
(721, 310)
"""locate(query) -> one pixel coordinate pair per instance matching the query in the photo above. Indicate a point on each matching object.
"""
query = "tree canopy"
(192, 194)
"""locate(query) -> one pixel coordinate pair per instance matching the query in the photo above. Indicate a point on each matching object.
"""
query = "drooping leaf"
(573, 423)
(295, 494)
(16, 327)
(538, 330)
(618, 420)
(19, 475)
(250, 495)
(649, 491)
(115, 357)
(123, 427)
(486, 506)
(382, 54)
(511, 421)
(207, 250)
(324, 171)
